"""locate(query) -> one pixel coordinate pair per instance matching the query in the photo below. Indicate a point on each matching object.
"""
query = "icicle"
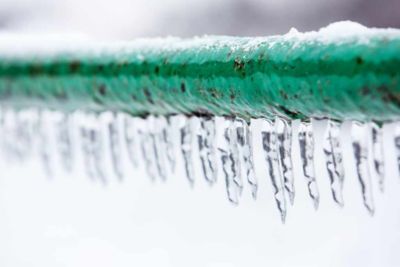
(360, 147)
(22, 142)
(230, 163)
(130, 135)
(306, 141)
(186, 148)
(146, 146)
(169, 145)
(377, 154)
(64, 142)
(206, 140)
(86, 151)
(334, 163)
(115, 146)
(269, 145)
(397, 143)
(157, 136)
(284, 141)
(245, 144)
(97, 153)
(44, 144)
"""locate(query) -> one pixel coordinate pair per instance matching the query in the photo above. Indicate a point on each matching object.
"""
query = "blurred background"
(126, 19)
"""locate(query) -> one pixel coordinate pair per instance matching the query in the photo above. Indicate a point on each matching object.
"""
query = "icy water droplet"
(64, 142)
(230, 162)
(306, 141)
(284, 142)
(269, 145)
(131, 136)
(115, 146)
(186, 147)
(334, 164)
(206, 141)
(245, 144)
(360, 147)
(377, 154)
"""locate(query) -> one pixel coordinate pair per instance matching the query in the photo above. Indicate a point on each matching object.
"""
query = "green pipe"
(294, 76)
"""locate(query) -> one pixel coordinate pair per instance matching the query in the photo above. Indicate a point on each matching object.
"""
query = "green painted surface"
(292, 77)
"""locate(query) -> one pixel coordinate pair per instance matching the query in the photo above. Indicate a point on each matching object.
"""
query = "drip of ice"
(206, 142)
(96, 144)
(43, 129)
(18, 131)
(397, 144)
(86, 151)
(114, 130)
(306, 141)
(377, 154)
(64, 141)
(360, 147)
(169, 144)
(269, 145)
(245, 145)
(158, 142)
(284, 146)
(334, 164)
(146, 147)
(92, 147)
(230, 161)
(187, 133)
(131, 138)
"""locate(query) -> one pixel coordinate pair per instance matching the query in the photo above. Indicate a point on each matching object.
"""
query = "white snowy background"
(72, 221)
